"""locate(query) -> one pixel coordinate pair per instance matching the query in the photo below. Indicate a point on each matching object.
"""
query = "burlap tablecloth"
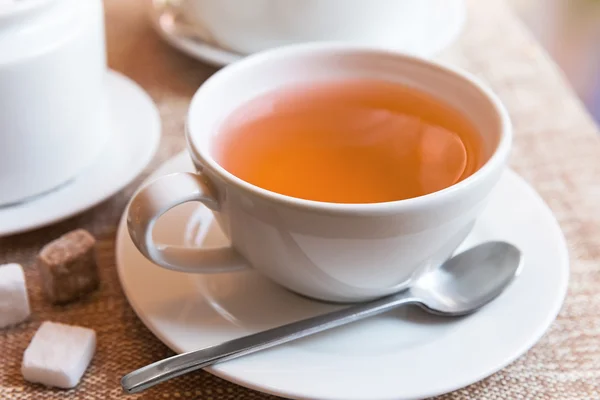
(556, 149)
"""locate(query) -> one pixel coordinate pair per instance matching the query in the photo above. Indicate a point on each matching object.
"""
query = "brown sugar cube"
(68, 267)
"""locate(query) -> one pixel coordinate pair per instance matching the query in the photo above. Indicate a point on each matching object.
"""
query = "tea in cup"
(349, 141)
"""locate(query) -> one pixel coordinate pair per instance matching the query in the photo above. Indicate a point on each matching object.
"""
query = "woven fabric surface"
(556, 149)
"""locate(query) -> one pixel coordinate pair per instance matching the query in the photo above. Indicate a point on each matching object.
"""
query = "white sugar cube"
(58, 355)
(14, 304)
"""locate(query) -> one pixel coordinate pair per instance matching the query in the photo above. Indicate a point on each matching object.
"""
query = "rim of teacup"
(201, 155)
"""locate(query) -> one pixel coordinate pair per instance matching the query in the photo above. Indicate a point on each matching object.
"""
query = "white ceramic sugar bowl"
(53, 111)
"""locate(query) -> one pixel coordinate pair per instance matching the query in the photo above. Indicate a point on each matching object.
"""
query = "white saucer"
(448, 20)
(402, 355)
(133, 141)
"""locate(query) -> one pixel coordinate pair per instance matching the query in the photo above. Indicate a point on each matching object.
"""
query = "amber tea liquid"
(360, 141)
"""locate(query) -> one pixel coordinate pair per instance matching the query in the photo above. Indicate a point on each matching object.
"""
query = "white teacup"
(53, 120)
(334, 252)
(249, 26)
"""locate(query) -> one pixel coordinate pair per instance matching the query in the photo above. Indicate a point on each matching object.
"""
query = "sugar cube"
(68, 267)
(14, 303)
(58, 355)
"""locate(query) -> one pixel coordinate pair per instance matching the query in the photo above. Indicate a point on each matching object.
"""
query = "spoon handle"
(171, 367)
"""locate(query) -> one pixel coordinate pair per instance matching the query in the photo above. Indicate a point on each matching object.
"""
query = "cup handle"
(158, 197)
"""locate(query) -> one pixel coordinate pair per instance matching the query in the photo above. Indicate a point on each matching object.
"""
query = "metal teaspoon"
(461, 285)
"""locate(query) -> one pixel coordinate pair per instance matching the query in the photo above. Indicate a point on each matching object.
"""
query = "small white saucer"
(134, 138)
(405, 354)
(446, 23)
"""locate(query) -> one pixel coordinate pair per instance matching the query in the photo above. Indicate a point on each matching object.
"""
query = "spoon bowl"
(468, 281)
